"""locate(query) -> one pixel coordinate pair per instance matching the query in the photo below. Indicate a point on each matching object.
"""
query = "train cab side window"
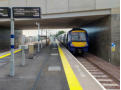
(69, 38)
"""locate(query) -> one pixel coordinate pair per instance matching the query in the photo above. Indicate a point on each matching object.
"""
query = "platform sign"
(4, 12)
(26, 12)
(113, 47)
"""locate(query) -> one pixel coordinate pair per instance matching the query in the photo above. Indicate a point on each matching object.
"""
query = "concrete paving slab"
(34, 75)
(54, 80)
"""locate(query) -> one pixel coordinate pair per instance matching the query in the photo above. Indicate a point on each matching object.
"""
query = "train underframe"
(80, 50)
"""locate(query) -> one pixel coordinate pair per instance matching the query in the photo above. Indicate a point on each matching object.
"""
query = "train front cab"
(78, 41)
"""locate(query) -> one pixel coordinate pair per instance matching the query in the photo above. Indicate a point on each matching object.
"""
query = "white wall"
(56, 6)
(81, 5)
(19, 3)
(61, 6)
(33, 3)
(3, 3)
(102, 4)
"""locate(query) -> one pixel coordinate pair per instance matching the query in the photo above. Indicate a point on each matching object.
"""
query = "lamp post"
(12, 66)
(38, 24)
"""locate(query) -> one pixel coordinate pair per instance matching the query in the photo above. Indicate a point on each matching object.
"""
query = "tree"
(59, 33)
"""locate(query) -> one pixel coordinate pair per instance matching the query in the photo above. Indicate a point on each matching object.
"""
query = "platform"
(44, 72)
(50, 69)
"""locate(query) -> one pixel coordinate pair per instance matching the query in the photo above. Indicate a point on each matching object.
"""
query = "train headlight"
(72, 45)
(86, 44)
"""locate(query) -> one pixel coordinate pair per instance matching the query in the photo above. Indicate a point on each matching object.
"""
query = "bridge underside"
(61, 20)
(55, 23)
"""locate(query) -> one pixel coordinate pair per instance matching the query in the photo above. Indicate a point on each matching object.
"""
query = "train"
(76, 40)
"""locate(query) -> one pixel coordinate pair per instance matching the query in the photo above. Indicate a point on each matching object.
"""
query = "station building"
(101, 19)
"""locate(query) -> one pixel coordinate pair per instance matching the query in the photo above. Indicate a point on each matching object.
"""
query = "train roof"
(77, 29)
(72, 30)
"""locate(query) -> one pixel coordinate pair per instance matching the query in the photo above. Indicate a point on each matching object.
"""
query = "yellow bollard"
(31, 51)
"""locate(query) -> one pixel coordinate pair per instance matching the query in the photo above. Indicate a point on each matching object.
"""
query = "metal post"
(46, 37)
(12, 67)
(41, 38)
(23, 52)
(38, 37)
(23, 57)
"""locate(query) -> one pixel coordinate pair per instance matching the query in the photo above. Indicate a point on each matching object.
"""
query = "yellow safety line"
(71, 77)
(8, 54)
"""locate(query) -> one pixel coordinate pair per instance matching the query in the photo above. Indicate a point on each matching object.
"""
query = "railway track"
(101, 76)
(106, 80)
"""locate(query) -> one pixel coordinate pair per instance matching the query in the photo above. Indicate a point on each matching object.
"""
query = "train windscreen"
(78, 36)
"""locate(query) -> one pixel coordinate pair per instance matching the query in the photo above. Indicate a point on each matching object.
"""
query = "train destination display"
(4, 12)
(26, 12)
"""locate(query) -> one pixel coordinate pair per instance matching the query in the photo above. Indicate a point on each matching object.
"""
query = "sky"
(49, 31)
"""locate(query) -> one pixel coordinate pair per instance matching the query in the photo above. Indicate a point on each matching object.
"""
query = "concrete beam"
(77, 14)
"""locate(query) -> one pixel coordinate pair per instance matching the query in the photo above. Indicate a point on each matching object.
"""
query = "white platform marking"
(54, 68)
(1, 64)
(54, 54)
